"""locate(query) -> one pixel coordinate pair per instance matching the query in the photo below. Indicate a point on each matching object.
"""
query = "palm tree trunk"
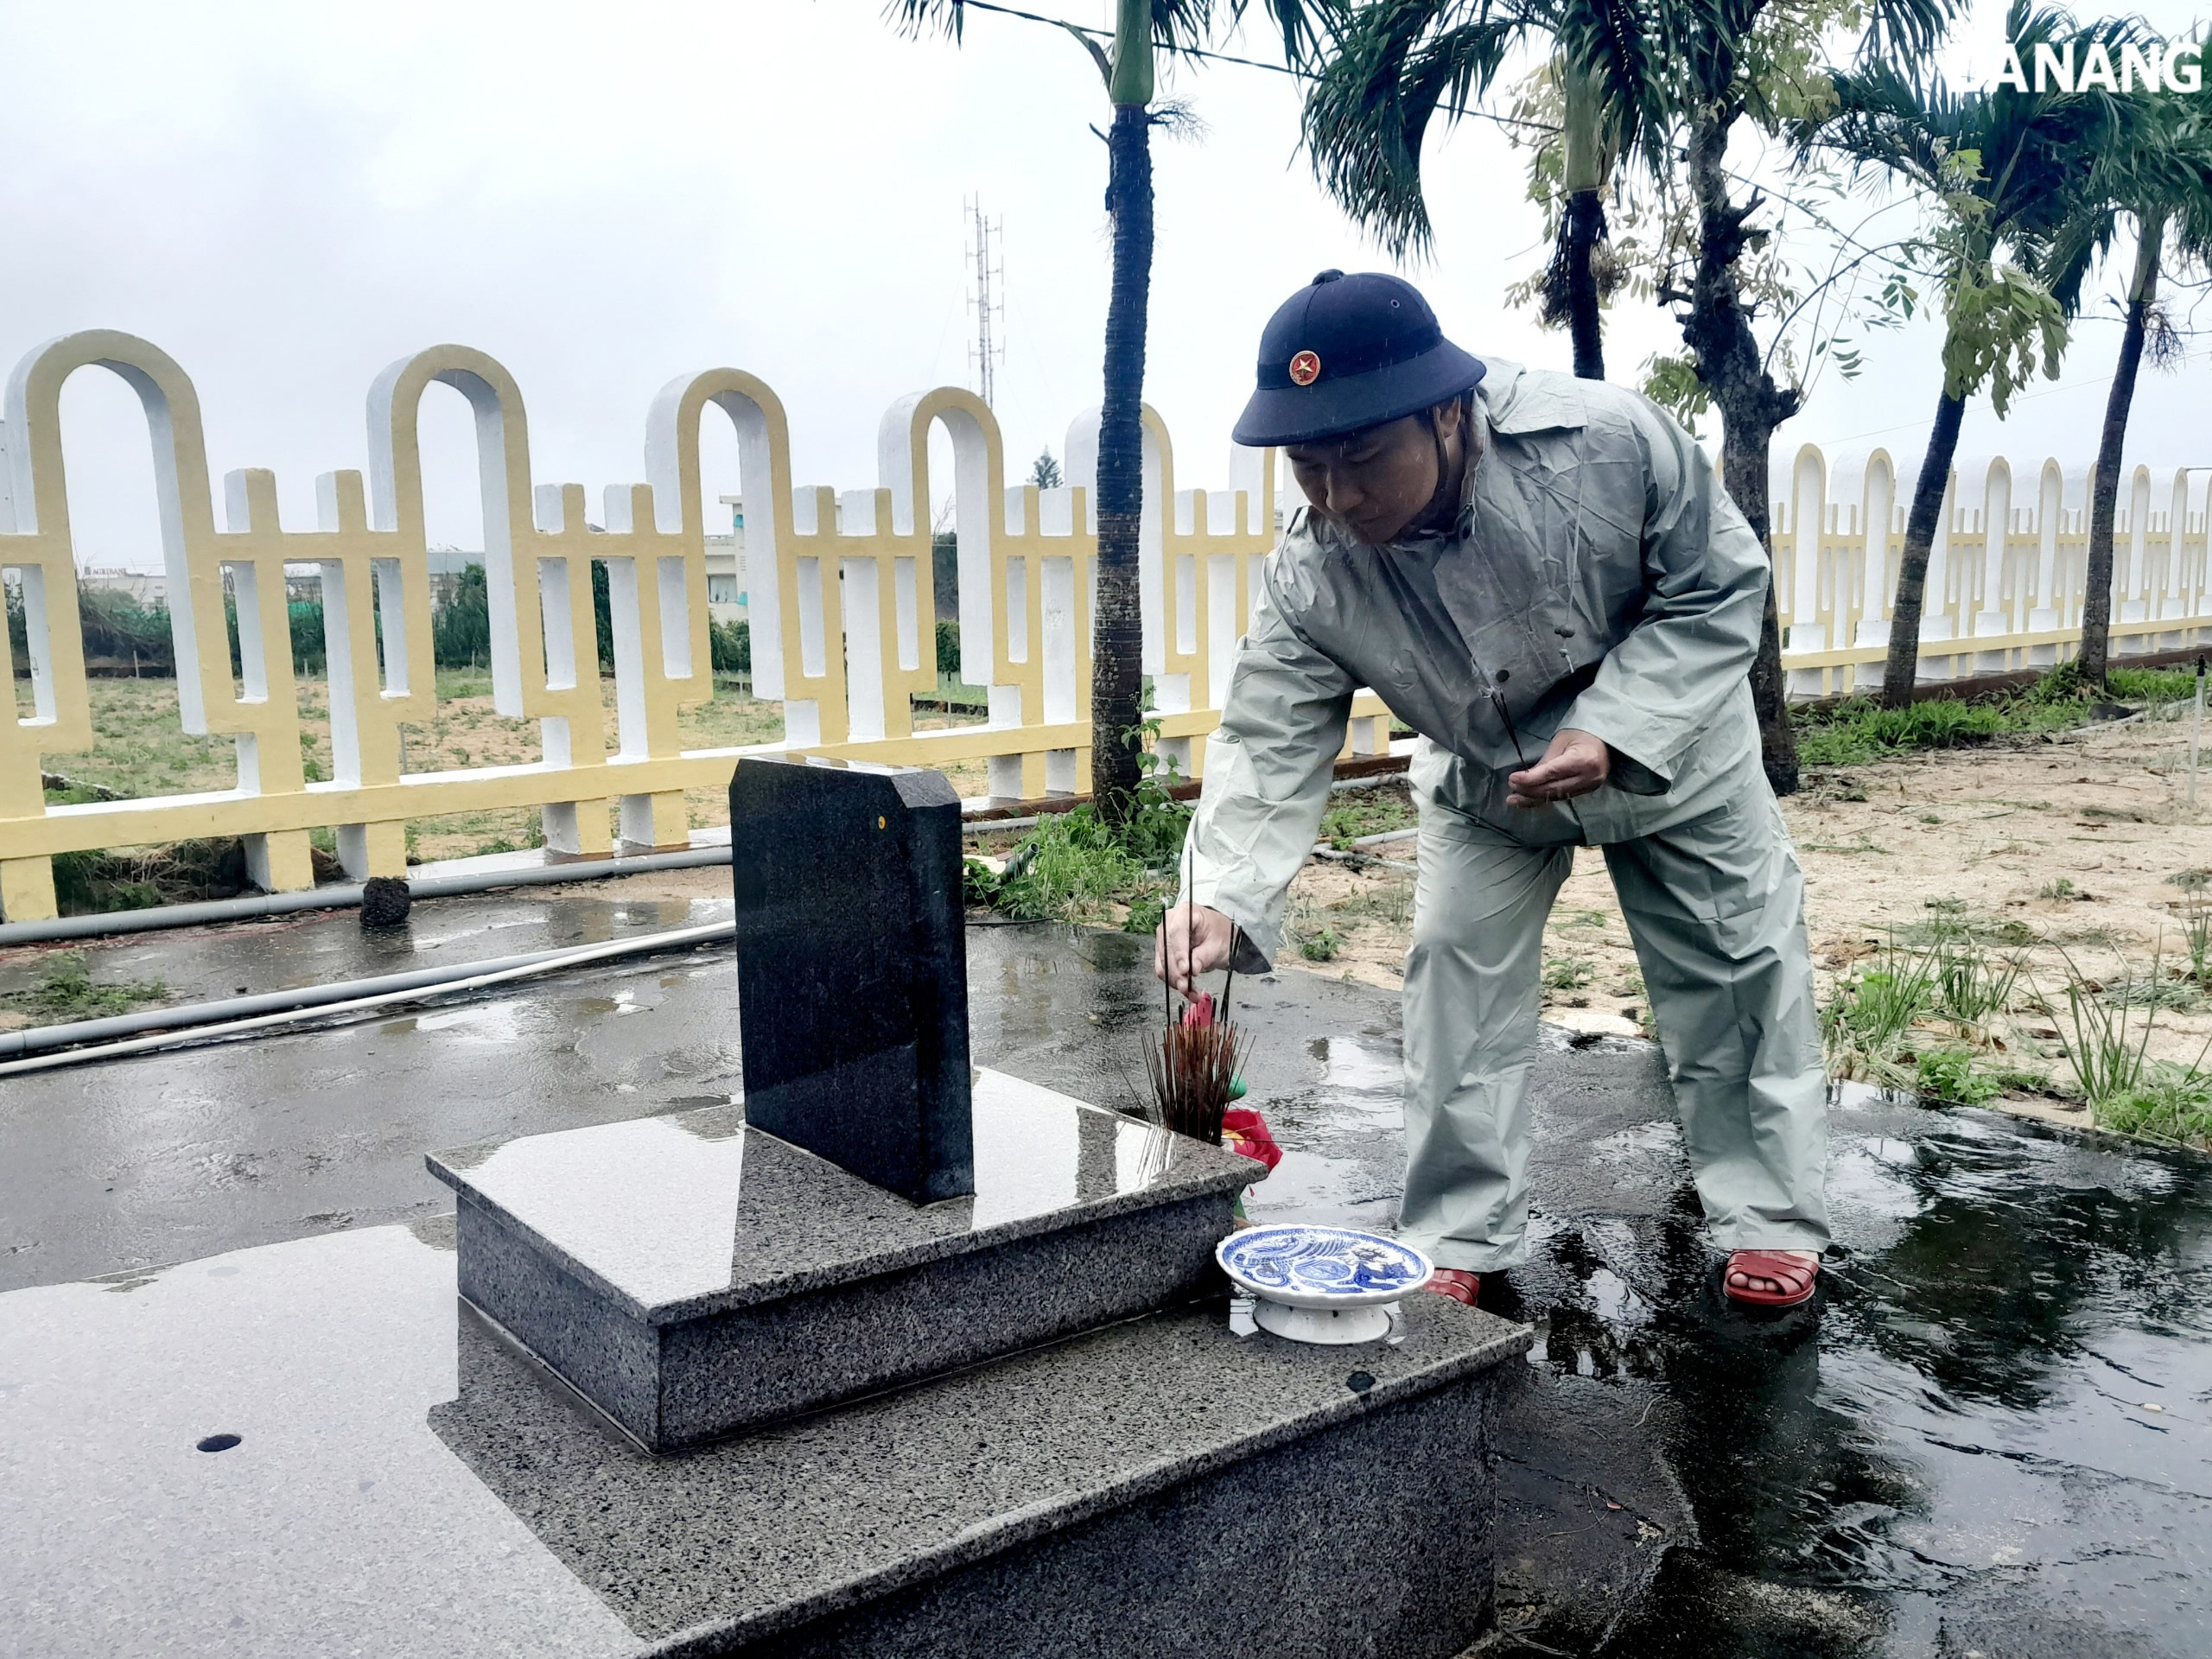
(1585, 228)
(1902, 668)
(2104, 505)
(1584, 166)
(1118, 618)
(1718, 331)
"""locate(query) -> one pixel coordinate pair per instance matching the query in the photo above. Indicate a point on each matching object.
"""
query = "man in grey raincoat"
(1542, 576)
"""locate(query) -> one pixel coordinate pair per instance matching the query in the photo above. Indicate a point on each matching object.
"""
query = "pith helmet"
(1345, 352)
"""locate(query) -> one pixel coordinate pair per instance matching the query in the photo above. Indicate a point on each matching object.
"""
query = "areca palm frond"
(1393, 66)
(2006, 158)
(2157, 172)
(1178, 26)
(1396, 65)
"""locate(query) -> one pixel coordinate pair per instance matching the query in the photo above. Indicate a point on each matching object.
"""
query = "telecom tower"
(987, 298)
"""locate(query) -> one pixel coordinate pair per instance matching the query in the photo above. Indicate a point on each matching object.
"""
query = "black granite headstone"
(852, 968)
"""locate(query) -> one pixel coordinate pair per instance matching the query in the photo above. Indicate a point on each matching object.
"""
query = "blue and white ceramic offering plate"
(1296, 1265)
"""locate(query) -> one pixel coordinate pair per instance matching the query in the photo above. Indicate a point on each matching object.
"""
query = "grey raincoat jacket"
(1597, 577)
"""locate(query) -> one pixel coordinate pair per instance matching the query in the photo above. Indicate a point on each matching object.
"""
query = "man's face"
(1375, 483)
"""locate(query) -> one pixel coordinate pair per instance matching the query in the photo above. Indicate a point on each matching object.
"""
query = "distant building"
(147, 587)
(726, 597)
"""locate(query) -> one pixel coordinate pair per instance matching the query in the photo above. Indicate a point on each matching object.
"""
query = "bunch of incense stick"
(1194, 1066)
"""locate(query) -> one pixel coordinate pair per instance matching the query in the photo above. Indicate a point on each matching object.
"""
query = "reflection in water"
(692, 1203)
(1951, 1447)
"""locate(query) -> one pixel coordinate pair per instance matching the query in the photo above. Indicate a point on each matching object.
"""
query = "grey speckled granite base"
(693, 1277)
(675, 1385)
(1159, 1487)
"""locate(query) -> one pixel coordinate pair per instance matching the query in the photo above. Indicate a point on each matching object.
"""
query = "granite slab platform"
(693, 1276)
(1159, 1487)
(406, 1482)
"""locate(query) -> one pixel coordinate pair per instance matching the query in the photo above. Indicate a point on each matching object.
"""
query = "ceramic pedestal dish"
(1322, 1284)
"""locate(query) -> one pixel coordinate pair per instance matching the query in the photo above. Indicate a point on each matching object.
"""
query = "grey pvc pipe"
(346, 895)
(157, 1027)
(40, 1038)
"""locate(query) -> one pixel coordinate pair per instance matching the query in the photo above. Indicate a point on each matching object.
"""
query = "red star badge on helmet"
(1305, 368)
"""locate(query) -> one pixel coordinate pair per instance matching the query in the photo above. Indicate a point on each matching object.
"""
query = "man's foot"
(1459, 1286)
(1772, 1278)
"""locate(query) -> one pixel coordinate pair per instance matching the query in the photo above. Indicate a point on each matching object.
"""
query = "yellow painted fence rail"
(841, 603)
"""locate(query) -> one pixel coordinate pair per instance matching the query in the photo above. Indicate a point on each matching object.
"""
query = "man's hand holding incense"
(1195, 940)
(1575, 764)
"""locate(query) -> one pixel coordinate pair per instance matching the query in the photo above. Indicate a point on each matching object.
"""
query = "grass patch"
(2110, 1048)
(1390, 903)
(1856, 730)
(182, 872)
(1075, 867)
(1867, 1026)
(1863, 844)
(1950, 1073)
(66, 990)
(1368, 812)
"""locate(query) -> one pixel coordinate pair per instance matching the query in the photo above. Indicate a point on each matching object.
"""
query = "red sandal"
(1455, 1282)
(1795, 1277)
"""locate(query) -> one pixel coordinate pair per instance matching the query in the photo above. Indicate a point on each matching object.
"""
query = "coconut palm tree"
(1142, 27)
(1998, 171)
(1389, 68)
(2157, 180)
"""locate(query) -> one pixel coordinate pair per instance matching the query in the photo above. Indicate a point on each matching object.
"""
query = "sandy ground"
(2050, 850)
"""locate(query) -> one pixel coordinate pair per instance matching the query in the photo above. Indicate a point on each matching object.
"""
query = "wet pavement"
(1991, 1435)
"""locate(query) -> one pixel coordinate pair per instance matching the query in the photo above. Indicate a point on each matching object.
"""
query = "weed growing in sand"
(1566, 974)
(2196, 921)
(2168, 1102)
(2110, 1047)
(65, 990)
(1867, 1025)
(1949, 1073)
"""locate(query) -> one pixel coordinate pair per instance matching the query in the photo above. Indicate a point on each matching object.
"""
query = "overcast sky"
(287, 198)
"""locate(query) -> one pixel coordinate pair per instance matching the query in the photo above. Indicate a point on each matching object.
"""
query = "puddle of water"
(1956, 1450)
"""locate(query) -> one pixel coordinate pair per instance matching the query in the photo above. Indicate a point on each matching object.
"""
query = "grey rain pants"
(1715, 907)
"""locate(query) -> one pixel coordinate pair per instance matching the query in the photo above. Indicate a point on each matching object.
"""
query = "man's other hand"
(1575, 764)
(1195, 940)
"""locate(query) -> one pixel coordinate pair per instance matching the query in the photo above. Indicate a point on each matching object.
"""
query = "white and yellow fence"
(2006, 576)
(842, 617)
(842, 607)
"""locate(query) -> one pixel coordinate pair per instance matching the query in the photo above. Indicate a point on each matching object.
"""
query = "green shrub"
(730, 646)
(1072, 865)
(1067, 868)
(948, 650)
(118, 627)
(311, 650)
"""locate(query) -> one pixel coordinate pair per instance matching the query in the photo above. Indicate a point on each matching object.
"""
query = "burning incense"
(1193, 1069)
